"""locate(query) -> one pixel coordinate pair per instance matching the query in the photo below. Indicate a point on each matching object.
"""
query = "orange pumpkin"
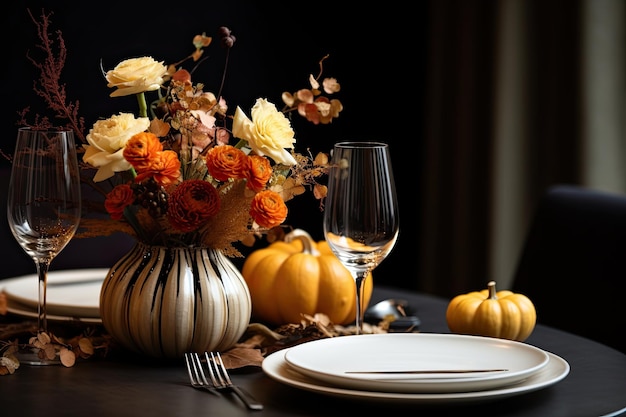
(502, 314)
(300, 276)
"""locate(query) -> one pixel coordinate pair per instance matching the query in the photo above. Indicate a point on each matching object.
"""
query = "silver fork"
(221, 380)
(196, 374)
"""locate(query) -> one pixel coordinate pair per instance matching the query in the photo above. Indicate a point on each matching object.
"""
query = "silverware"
(403, 318)
(221, 380)
(196, 374)
(430, 371)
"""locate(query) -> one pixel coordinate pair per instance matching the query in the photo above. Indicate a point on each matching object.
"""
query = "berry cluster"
(151, 196)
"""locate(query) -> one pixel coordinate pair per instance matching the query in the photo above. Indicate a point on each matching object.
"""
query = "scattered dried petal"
(67, 357)
(3, 303)
(9, 362)
(85, 346)
(239, 357)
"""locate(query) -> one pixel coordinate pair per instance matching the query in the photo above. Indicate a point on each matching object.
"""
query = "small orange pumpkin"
(300, 276)
(502, 314)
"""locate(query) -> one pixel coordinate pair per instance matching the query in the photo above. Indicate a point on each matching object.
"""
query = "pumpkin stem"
(491, 286)
(306, 239)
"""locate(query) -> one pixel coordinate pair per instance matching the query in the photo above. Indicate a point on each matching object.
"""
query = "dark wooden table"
(131, 386)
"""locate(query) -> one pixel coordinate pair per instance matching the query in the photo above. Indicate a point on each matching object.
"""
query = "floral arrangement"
(186, 171)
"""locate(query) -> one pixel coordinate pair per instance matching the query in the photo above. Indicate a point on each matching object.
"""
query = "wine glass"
(361, 222)
(43, 206)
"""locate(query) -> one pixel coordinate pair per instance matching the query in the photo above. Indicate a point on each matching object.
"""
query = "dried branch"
(49, 86)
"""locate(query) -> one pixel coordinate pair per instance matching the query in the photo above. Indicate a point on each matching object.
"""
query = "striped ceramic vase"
(163, 302)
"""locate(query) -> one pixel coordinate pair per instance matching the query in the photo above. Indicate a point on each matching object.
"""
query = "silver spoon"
(397, 308)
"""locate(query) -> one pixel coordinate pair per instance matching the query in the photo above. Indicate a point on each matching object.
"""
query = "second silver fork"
(221, 380)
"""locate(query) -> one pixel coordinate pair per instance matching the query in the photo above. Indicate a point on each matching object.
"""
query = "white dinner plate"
(27, 312)
(332, 360)
(277, 368)
(70, 293)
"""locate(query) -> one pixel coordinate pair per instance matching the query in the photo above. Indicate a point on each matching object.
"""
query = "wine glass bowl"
(356, 254)
(361, 222)
(43, 204)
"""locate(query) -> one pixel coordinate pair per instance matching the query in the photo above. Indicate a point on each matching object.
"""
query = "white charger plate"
(330, 360)
(276, 367)
(70, 293)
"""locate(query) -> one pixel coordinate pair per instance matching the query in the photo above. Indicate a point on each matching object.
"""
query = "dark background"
(376, 53)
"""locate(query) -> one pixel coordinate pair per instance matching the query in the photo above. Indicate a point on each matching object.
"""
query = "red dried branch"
(49, 86)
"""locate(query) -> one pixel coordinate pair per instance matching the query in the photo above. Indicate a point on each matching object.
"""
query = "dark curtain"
(462, 69)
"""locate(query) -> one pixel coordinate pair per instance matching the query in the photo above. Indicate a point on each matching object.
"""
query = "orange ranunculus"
(118, 199)
(141, 149)
(191, 204)
(226, 161)
(258, 172)
(164, 168)
(268, 209)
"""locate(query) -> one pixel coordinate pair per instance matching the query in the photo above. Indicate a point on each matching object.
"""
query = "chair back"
(573, 263)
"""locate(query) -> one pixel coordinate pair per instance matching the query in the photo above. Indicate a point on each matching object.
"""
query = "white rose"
(268, 133)
(136, 75)
(107, 139)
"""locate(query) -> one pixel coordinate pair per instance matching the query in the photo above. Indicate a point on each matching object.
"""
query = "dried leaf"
(11, 348)
(36, 343)
(291, 189)
(239, 357)
(50, 351)
(67, 357)
(263, 330)
(255, 342)
(3, 303)
(85, 346)
(321, 159)
(43, 338)
(320, 191)
(9, 362)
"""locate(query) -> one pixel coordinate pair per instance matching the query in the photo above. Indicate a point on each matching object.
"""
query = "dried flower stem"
(48, 86)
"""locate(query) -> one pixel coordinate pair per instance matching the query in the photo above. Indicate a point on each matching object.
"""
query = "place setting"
(416, 367)
(402, 367)
(72, 295)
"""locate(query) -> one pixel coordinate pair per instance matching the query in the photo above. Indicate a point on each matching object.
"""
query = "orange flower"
(258, 172)
(226, 162)
(164, 167)
(141, 149)
(192, 186)
(268, 209)
(191, 204)
(118, 199)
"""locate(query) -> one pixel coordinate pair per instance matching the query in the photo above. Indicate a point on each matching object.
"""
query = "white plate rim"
(70, 278)
(53, 317)
(323, 367)
(275, 367)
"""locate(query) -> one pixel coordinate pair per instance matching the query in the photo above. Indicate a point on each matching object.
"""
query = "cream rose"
(268, 133)
(136, 75)
(107, 139)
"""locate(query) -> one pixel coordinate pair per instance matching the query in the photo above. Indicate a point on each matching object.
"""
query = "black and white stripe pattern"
(163, 302)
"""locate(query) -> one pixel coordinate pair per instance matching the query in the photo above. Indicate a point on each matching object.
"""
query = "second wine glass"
(361, 221)
(43, 206)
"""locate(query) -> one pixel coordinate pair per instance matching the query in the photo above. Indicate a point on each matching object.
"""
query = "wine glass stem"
(359, 281)
(42, 275)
